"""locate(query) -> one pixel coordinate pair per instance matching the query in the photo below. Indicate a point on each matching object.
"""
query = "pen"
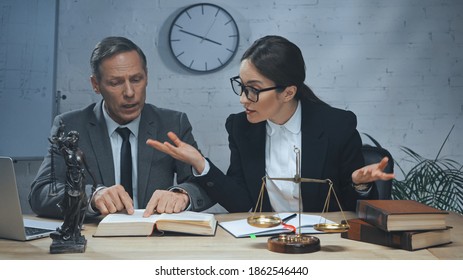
(306, 226)
(288, 218)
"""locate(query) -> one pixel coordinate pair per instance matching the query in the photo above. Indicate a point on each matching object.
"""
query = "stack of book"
(403, 224)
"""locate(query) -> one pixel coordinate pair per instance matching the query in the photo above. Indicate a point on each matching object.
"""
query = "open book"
(119, 224)
(241, 228)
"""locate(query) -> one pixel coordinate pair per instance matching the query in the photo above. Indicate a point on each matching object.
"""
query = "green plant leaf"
(436, 182)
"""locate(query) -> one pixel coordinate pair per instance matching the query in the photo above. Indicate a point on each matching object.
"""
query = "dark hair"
(110, 46)
(281, 61)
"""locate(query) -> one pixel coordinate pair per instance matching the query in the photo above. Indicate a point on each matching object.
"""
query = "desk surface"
(224, 246)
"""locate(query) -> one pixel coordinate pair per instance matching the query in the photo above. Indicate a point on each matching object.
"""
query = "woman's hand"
(181, 151)
(372, 173)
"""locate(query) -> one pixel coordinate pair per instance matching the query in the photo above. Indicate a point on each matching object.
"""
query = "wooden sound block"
(293, 243)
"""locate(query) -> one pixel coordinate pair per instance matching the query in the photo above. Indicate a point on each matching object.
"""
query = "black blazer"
(331, 149)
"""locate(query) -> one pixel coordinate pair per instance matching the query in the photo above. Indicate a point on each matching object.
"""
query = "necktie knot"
(124, 132)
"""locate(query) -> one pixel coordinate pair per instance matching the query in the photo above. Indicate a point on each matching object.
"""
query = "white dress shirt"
(116, 143)
(280, 162)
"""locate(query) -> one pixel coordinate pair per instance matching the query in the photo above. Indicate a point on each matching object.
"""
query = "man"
(119, 74)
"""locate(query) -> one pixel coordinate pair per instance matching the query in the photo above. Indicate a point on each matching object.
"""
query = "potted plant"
(437, 182)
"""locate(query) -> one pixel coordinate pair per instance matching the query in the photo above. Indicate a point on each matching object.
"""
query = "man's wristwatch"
(361, 187)
(179, 190)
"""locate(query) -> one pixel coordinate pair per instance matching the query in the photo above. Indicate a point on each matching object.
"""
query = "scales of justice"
(298, 242)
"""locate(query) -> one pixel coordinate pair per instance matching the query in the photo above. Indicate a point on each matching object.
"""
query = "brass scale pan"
(268, 221)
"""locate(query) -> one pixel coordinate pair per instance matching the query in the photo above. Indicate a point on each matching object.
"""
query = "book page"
(123, 224)
(126, 218)
(241, 228)
(188, 222)
(187, 216)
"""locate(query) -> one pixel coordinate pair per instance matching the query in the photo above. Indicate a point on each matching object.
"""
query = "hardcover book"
(407, 240)
(394, 215)
(119, 224)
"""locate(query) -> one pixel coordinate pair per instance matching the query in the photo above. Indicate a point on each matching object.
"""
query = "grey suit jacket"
(156, 170)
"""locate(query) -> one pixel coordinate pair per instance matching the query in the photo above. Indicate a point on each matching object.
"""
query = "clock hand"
(210, 27)
(201, 37)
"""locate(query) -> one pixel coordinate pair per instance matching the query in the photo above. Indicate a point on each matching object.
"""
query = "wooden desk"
(224, 246)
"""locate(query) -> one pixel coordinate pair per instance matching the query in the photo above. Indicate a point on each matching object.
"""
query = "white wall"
(397, 64)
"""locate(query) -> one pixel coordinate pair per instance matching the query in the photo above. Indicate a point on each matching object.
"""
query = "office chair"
(372, 154)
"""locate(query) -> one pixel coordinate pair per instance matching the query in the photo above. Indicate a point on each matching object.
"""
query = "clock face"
(203, 37)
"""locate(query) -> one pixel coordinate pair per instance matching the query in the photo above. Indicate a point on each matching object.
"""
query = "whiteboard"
(27, 76)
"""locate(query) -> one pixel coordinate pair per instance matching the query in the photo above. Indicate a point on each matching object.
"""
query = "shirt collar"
(293, 125)
(112, 125)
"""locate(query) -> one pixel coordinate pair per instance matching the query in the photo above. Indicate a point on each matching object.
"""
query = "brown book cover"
(408, 240)
(394, 215)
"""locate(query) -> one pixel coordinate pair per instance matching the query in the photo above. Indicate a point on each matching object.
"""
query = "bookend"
(298, 242)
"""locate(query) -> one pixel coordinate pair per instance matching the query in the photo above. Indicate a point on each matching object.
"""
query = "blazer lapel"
(254, 160)
(314, 144)
(145, 153)
(101, 145)
(314, 150)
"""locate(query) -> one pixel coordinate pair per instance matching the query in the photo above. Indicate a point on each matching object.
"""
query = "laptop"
(12, 223)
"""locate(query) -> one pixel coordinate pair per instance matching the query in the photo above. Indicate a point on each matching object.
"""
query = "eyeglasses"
(252, 94)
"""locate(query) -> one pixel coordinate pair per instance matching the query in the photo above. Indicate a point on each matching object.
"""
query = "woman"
(282, 113)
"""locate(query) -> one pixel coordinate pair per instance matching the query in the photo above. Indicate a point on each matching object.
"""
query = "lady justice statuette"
(68, 237)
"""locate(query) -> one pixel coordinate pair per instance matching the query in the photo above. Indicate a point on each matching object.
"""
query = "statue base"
(68, 246)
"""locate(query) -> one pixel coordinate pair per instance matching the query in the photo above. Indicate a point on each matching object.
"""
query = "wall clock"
(203, 37)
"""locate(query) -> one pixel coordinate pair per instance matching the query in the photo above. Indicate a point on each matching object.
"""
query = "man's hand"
(166, 202)
(112, 199)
